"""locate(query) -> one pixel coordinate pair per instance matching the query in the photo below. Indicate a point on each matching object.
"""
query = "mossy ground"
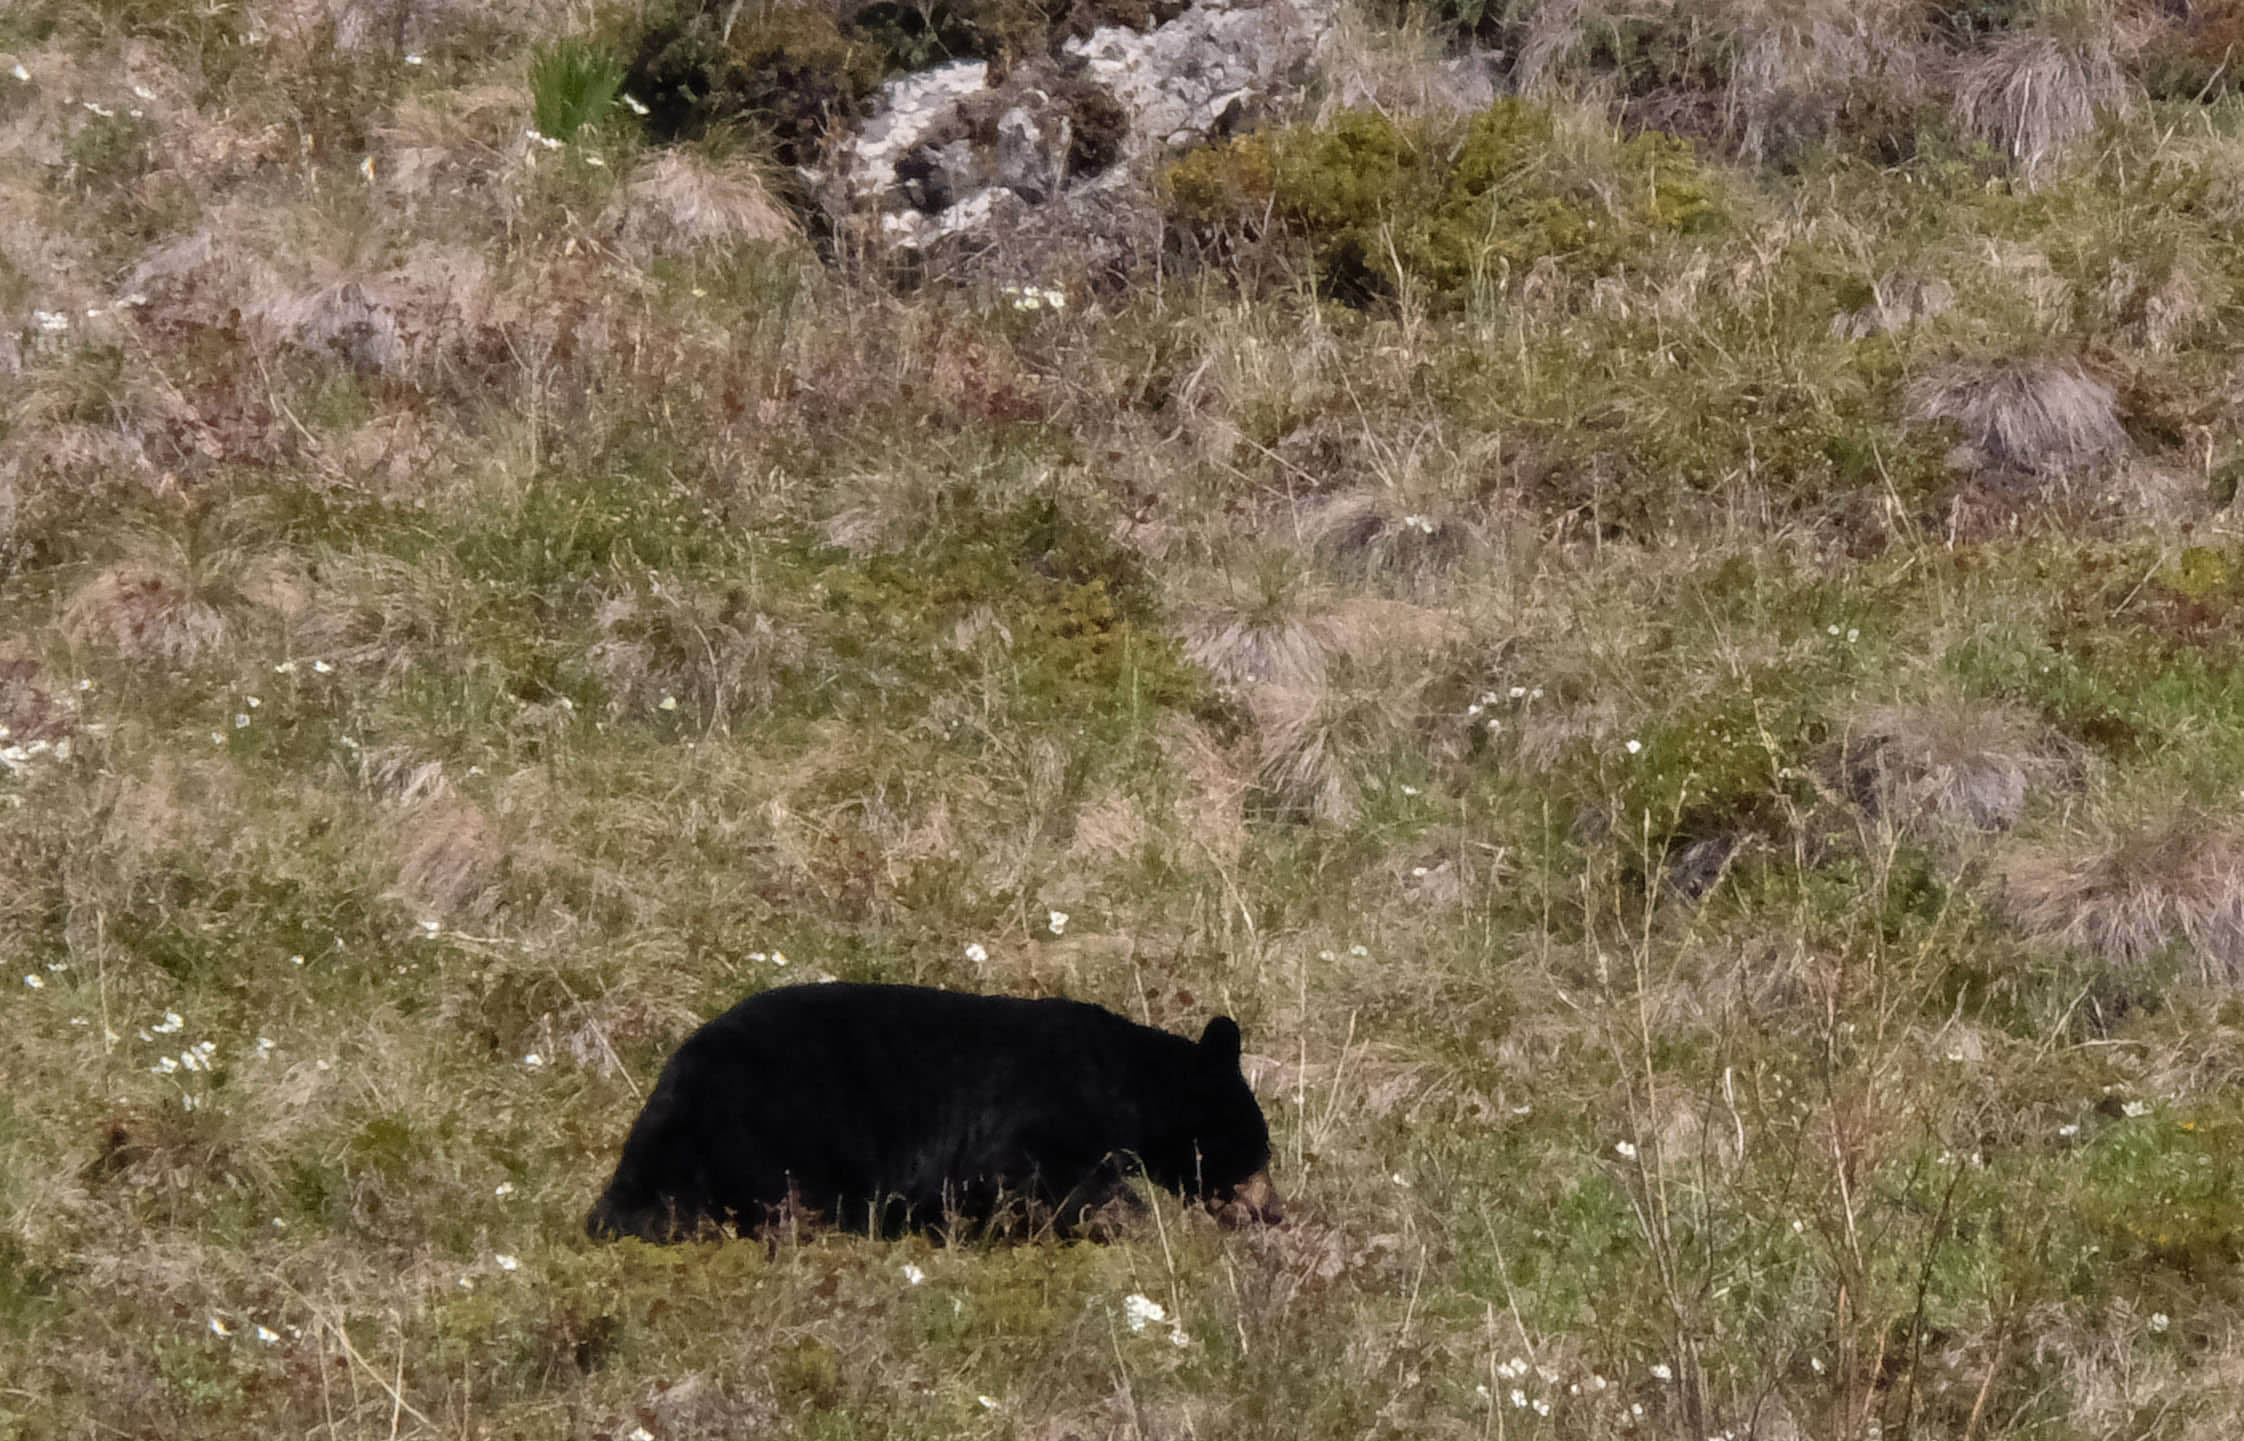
(446, 653)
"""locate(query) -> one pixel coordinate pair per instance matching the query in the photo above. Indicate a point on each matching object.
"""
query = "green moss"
(787, 71)
(1380, 202)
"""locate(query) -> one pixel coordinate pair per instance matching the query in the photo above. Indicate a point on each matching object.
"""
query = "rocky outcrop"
(1060, 147)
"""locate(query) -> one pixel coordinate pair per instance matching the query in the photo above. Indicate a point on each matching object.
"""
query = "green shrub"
(572, 85)
(1379, 202)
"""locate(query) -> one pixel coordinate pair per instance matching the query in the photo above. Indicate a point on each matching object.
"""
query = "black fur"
(894, 1108)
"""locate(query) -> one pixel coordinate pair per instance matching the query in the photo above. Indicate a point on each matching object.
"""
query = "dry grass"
(2176, 882)
(2045, 418)
(2032, 94)
(1950, 769)
(680, 203)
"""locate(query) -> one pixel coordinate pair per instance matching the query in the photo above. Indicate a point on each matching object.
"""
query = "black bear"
(896, 1108)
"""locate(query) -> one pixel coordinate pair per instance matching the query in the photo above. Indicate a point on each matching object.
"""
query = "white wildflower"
(321, 667)
(2070, 1128)
(241, 720)
(1058, 922)
(51, 321)
(1141, 1311)
(2159, 1321)
(219, 1328)
(169, 1025)
(1179, 1337)
(1512, 1370)
(533, 1060)
(507, 1263)
(1661, 1372)
(987, 1403)
(366, 169)
(264, 1048)
(415, 60)
(19, 72)
(37, 983)
(2133, 1109)
(1542, 1407)
(1519, 1399)
(668, 702)
(1627, 1149)
(913, 1275)
(1633, 747)
(503, 1190)
(267, 1334)
(977, 953)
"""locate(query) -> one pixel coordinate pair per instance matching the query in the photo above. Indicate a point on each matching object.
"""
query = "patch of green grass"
(573, 85)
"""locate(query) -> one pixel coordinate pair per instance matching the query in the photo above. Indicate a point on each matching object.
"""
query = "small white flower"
(37, 983)
(913, 1275)
(51, 321)
(632, 104)
(1141, 1311)
(2071, 1128)
(366, 168)
(415, 60)
(668, 702)
(1057, 922)
(1853, 635)
(987, 1403)
(595, 160)
(1512, 1370)
(188, 1060)
(1401, 1180)
(286, 667)
(1179, 1337)
(169, 1025)
(533, 1060)
(296, 960)
(1484, 1393)
(1361, 953)
(431, 927)
(2159, 1321)
(507, 1263)
(1542, 1407)
(1410, 790)
(1831, 630)
(1633, 747)
(321, 667)
(1627, 1150)
(267, 1334)
(252, 701)
(164, 1066)
(503, 1190)
(1660, 1371)
(1519, 1399)
(1636, 1409)
(1597, 1382)
(241, 720)
(467, 1283)
(1518, 692)
(2135, 1108)
(779, 958)
(977, 953)
(19, 72)
(220, 1328)
(1815, 1363)
(264, 1048)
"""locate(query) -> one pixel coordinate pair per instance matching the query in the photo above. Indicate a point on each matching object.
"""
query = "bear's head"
(1216, 1146)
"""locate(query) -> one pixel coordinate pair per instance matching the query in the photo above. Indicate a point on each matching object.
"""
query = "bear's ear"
(1220, 1041)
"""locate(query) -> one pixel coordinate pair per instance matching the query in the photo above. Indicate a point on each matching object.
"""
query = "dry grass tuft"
(1257, 640)
(713, 652)
(2031, 93)
(2141, 892)
(143, 613)
(682, 203)
(1313, 743)
(1382, 533)
(1949, 768)
(2044, 418)
(448, 860)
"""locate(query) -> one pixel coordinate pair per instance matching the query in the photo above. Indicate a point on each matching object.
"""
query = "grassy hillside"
(1672, 647)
